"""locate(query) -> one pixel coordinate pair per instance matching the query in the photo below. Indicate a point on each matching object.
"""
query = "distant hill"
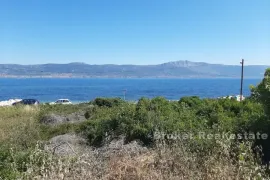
(177, 69)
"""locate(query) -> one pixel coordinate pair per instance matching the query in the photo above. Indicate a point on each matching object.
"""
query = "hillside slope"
(179, 69)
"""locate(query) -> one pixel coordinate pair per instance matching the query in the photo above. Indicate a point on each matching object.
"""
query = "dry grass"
(15, 119)
(160, 163)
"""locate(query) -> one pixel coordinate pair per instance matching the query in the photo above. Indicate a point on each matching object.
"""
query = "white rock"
(9, 102)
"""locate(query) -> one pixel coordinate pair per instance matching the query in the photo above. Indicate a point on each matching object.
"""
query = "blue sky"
(134, 31)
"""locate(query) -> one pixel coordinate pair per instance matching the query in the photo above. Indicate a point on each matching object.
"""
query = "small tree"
(262, 91)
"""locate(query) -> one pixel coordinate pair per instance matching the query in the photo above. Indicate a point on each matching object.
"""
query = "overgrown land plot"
(155, 138)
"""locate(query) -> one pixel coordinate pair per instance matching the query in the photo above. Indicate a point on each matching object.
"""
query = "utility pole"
(125, 94)
(242, 78)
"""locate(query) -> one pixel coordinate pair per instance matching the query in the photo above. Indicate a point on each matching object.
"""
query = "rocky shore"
(9, 102)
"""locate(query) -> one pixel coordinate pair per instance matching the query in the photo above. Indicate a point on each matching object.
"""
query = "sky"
(134, 31)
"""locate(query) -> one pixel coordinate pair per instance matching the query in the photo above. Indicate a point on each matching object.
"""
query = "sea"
(87, 89)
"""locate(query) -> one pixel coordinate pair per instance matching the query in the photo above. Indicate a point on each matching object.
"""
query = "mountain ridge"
(173, 69)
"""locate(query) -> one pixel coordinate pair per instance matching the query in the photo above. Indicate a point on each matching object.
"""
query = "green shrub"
(108, 102)
(192, 101)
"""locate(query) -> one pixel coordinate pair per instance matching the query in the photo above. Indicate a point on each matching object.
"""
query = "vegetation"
(200, 156)
(262, 91)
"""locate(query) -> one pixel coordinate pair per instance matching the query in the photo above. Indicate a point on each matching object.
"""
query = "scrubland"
(115, 139)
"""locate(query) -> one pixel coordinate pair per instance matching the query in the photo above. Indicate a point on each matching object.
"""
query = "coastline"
(121, 77)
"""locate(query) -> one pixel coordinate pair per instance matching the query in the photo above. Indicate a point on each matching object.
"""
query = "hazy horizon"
(246, 64)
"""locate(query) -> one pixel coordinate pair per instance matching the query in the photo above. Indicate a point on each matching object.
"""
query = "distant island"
(176, 69)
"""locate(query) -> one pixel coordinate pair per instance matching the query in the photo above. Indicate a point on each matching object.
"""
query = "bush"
(108, 102)
(192, 101)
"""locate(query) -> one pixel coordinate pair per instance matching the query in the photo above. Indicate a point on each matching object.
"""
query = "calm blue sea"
(79, 90)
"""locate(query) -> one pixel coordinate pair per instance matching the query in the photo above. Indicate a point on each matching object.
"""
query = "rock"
(67, 145)
(117, 146)
(9, 102)
(76, 117)
(54, 119)
(74, 145)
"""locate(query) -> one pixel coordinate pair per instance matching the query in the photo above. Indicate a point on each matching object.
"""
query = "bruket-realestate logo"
(205, 135)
